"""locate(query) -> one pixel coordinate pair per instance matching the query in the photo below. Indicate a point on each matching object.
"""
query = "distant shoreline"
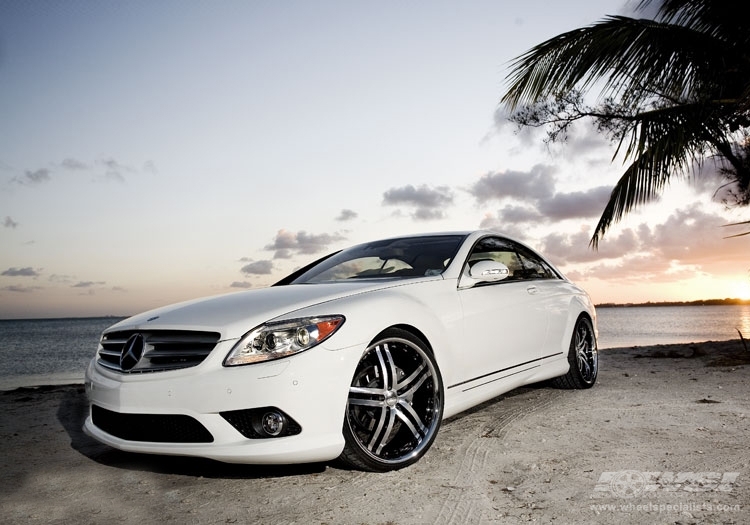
(81, 318)
(701, 302)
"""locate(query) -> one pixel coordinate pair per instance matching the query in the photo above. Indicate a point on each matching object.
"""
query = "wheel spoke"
(413, 382)
(383, 430)
(387, 366)
(367, 396)
(581, 338)
(584, 366)
(411, 419)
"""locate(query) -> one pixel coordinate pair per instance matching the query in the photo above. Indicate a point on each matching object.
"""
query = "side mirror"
(489, 271)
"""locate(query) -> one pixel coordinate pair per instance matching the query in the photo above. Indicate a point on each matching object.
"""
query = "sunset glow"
(232, 142)
(742, 290)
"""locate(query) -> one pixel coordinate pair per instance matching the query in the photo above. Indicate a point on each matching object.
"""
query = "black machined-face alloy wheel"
(395, 404)
(587, 355)
(583, 357)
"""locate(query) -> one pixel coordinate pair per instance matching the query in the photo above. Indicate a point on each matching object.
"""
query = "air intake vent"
(159, 428)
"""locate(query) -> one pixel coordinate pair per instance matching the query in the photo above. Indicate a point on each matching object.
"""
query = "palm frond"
(736, 234)
(664, 145)
(626, 53)
(709, 17)
(637, 186)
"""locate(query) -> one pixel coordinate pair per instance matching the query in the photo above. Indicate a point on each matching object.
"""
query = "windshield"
(392, 258)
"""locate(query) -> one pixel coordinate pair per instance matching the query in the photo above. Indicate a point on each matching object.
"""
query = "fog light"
(273, 423)
(262, 422)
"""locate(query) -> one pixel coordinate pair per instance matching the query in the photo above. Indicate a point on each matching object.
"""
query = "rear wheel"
(583, 357)
(395, 404)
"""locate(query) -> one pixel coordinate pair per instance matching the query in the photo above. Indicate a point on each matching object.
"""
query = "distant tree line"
(703, 302)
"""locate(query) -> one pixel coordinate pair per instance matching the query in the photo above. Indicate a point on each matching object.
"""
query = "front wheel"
(583, 357)
(395, 404)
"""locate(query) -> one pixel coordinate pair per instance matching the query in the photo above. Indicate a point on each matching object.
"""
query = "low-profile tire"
(395, 404)
(583, 357)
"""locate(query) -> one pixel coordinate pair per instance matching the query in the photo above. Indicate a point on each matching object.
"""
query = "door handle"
(532, 290)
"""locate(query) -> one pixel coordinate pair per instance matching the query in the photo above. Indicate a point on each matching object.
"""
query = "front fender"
(430, 308)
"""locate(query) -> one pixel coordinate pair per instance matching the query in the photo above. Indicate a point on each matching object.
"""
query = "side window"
(522, 263)
(534, 267)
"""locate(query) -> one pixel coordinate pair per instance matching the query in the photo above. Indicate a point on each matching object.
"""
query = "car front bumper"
(311, 388)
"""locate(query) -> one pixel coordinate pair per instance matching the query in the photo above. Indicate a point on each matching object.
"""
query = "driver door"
(505, 323)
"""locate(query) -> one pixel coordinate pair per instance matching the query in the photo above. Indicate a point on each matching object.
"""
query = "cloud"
(20, 272)
(258, 268)
(518, 214)
(288, 243)
(574, 248)
(241, 284)
(114, 170)
(58, 278)
(32, 178)
(426, 214)
(490, 222)
(346, 215)
(10, 223)
(534, 197)
(501, 118)
(422, 196)
(20, 289)
(428, 201)
(150, 167)
(577, 204)
(88, 284)
(74, 164)
(584, 140)
(537, 184)
(706, 179)
(636, 269)
(686, 244)
(691, 235)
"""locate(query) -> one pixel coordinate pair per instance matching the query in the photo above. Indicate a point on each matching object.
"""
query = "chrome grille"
(163, 350)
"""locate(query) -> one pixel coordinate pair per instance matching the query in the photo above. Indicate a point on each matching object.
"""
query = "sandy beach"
(661, 438)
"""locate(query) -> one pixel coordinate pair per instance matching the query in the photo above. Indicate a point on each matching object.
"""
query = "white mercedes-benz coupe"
(357, 356)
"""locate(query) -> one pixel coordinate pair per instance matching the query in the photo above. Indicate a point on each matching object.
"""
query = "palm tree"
(673, 92)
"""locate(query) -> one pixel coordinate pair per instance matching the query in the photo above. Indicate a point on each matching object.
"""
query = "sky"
(153, 152)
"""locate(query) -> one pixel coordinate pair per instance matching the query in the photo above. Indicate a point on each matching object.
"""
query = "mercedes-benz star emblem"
(132, 351)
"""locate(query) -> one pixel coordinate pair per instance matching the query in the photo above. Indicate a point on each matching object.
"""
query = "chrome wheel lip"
(395, 405)
(587, 354)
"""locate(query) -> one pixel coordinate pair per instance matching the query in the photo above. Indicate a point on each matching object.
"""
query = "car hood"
(234, 314)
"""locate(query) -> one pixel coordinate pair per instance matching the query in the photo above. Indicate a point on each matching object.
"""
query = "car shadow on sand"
(74, 409)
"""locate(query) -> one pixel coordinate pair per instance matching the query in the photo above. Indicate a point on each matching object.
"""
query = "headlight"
(274, 340)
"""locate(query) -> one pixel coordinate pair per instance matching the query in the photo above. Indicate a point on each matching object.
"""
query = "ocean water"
(651, 325)
(48, 351)
(57, 351)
